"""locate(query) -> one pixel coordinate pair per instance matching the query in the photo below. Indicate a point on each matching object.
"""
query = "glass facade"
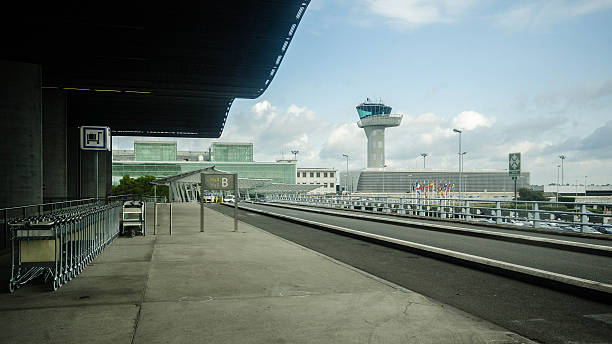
(154, 151)
(277, 172)
(371, 109)
(232, 152)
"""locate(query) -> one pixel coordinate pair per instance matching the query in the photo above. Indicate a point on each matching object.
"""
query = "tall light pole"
(558, 167)
(460, 174)
(462, 155)
(347, 174)
(562, 158)
(384, 166)
(424, 155)
(295, 153)
(585, 177)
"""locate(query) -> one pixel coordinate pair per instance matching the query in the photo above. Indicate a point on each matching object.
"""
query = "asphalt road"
(507, 229)
(533, 311)
(588, 266)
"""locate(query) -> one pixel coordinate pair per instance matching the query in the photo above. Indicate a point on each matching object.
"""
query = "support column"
(90, 175)
(55, 166)
(21, 175)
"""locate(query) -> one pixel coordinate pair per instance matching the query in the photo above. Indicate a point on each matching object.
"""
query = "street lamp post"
(347, 174)
(460, 173)
(295, 153)
(558, 166)
(424, 155)
(462, 184)
(585, 177)
(384, 166)
(562, 159)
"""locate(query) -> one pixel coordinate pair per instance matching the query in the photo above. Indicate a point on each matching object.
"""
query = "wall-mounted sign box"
(95, 138)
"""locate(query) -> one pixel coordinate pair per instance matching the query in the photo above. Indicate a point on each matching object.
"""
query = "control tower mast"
(374, 118)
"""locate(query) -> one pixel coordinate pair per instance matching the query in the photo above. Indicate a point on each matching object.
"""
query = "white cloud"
(470, 120)
(543, 13)
(420, 12)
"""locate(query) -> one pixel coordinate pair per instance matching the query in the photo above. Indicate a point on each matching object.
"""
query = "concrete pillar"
(21, 175)
(55, 154)
(73, 186)
(90, 174)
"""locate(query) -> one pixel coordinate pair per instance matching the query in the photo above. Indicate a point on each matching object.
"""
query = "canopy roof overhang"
(152, 68)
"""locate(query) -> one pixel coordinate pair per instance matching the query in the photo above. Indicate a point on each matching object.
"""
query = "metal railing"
(563, 216)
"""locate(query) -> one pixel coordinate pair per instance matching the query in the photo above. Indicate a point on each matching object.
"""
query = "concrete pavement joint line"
(83, 305)
(547, 275)
(556, 243)
(144, 292)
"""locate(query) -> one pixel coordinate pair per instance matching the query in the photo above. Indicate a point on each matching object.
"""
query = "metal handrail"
(509, 212)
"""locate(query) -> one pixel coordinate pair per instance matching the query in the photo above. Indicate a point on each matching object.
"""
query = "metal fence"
(563, 216)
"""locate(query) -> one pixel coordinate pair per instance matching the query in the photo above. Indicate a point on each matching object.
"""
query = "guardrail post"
(469, 213)
(441, 209)
(536, 216)
(584, 218)
(170, 218)
(498, 213)
(155, 217)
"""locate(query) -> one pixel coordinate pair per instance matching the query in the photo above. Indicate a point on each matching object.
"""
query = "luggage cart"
(59, 245)
(37, 251)
(133, 221)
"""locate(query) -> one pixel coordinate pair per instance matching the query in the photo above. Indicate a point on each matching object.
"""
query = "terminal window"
(318, 174)
(311, 174)
(331, 174)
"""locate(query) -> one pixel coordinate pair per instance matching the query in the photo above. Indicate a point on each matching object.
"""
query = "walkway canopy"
(186, 187)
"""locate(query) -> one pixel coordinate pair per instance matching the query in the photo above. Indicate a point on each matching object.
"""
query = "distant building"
(232, 151)
(326, 177)
(394, 180)
(161, 159)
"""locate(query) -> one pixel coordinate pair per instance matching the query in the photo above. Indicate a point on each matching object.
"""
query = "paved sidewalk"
(229, 287)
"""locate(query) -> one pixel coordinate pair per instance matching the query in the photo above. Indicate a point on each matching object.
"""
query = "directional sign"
(514, 164)
(218, 181)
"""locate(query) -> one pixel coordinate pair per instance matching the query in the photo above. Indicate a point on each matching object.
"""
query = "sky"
(533, 77)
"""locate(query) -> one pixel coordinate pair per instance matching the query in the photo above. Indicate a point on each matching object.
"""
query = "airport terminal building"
(395, 180)
(162, 159)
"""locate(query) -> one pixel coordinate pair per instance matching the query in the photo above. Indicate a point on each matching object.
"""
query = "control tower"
(374, 118)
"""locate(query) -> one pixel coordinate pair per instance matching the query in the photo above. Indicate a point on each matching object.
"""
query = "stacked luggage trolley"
(59, 245)
(133, 221)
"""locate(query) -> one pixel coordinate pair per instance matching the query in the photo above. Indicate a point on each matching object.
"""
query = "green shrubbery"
(139, 186)
(531, 195)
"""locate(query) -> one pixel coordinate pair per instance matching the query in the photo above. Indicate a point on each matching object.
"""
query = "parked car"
(229, 198)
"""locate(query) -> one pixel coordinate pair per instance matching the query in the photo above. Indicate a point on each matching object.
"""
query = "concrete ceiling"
(153, 68)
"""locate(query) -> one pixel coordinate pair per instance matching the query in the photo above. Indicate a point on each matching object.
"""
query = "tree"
(139, 186)
(531, 195)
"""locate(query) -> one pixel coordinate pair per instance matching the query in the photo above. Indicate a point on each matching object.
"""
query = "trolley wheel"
(132, 233)
(11, 287)
(55, 284)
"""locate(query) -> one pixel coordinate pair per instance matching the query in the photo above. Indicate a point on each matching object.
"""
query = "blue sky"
(518, 76)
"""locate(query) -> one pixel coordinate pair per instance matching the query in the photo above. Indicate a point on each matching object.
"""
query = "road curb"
(594, 249)
(574, 285)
